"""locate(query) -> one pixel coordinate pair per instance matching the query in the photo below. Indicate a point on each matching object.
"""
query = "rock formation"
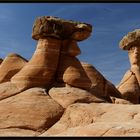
(97, 119)
(12, 64)
(130, 84)
(54, 94)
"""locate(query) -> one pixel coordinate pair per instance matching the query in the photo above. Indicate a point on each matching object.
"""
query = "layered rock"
(12, 64)
(40, 70)
(50, 31)
(130, 84)
(60, 28)
(96, 119)
(101, 87)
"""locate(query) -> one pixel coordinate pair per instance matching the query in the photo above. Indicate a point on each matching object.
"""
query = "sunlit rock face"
(54, 94)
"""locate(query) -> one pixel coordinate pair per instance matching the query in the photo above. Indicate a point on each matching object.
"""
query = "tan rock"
(40, 70)
(71, 72)
(103, 114)
(100, 85)
(131, 39)
(60, 28)
(129, 87)
(70, 47)
(12, 64)
(120, 101)
(66, 96)
(18, 132)
(32, 110)
(103, 129)
(8, 89)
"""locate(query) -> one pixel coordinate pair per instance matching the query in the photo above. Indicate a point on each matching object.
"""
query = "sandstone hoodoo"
(50, 33)
(130, 84)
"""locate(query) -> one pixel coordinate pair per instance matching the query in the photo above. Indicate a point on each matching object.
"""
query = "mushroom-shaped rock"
(12, 64)
(59, 28)
(131, 39)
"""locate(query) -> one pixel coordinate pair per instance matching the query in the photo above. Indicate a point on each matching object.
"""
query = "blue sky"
(110, 21)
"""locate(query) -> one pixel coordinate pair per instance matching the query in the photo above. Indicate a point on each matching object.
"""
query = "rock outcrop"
(32, 110)
(12, 64)
(97, 119)
(130, 84)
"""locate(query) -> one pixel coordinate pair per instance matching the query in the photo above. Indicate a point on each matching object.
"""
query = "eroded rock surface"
(97, 119)
(31, 111)
(12, 64)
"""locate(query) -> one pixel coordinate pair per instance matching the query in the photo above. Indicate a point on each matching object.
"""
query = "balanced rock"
(59, 28)
(30, 112)
(12, 64)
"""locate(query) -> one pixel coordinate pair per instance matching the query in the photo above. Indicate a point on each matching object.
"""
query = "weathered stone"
(131, 39)
(31, 110)
(59, 28)
(129, 87)
(103, 129)
(12, 64)
(100, 85)
(71, 72)
(120, 101)
(104, 115)
(8, 89)
(40, 70)
(70, 47)
(66, 96)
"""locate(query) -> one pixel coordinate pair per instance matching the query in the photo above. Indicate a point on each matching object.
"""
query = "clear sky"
(110, 21)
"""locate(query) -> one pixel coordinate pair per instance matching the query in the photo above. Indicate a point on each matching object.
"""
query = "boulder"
(32, 110)
(71, 72)
(101, 87)
(12, 64)
(66, 96)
